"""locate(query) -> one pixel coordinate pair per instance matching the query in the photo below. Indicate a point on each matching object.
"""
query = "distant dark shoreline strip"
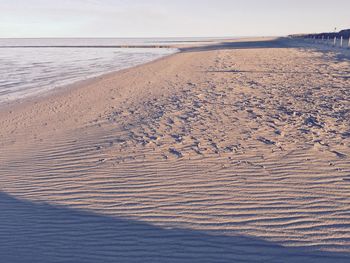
(109, 46)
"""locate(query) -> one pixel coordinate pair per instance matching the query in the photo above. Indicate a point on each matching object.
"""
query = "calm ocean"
(26, 70)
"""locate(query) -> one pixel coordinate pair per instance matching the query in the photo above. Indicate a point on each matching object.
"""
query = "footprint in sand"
(339, 154)
(175, 152)
(266, 141)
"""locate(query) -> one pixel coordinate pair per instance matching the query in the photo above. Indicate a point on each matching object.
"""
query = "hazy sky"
(159, 18)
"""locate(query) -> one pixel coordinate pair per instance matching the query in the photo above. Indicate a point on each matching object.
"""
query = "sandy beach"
(231, 152)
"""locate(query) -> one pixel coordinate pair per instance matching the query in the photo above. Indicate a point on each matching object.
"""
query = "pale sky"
(170, 18)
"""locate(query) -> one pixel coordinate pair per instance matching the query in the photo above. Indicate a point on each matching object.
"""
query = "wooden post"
(341, 41)
(327, 40)
(349, 42)
(335, 41)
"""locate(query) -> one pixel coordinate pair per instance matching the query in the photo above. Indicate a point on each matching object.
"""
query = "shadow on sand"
(339, 54)
(32, 232)
(269, 72)
(273, 43)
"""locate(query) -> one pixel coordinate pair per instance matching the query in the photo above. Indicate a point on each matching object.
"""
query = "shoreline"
(178, 48)
(64, 88)
(7, 106)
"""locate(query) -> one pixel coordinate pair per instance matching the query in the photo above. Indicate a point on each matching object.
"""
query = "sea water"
(29, 67)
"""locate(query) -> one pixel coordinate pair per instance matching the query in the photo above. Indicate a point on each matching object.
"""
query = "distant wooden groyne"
(88, 46)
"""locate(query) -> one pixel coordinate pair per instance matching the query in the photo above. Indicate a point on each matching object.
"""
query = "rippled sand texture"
(231, 153)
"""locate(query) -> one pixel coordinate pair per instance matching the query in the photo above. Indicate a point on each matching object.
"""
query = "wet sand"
(233, 152)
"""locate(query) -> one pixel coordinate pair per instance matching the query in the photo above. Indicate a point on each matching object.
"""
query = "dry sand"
(236, 152)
